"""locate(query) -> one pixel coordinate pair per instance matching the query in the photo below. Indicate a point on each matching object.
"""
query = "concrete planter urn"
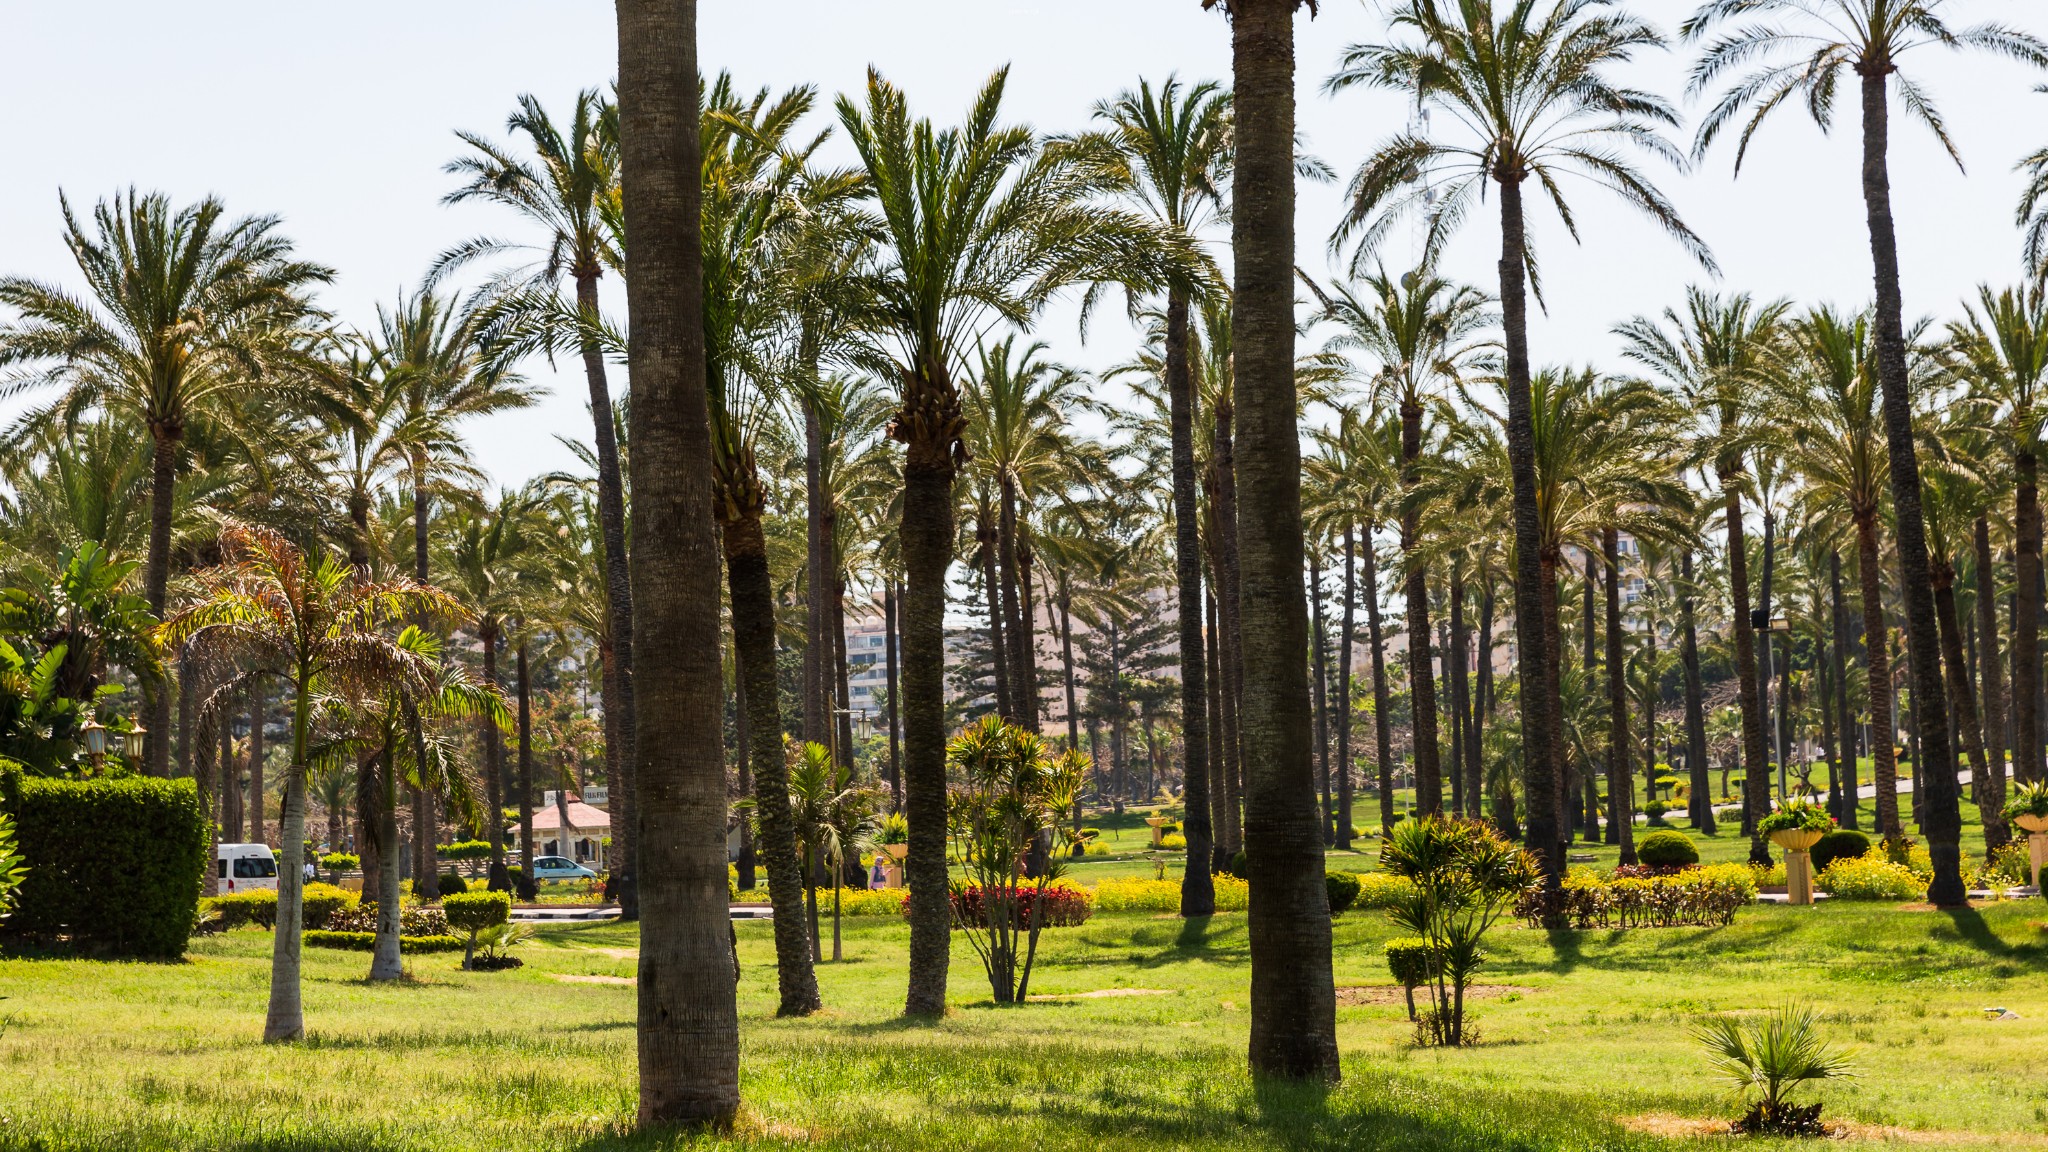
(1156, 823)
(2036, 828)
(1798, 845)
(892, 873)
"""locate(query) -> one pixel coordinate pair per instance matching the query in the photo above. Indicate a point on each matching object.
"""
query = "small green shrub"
(1342, 888)
(1097, 848)
(451, 885)
(1841, 844)
(1799, 815)
(465, 850)
(1671, 849)
(366, 941)
(2027, 800)
(2011, 865)
(1173, 843)
(1239, 867)
(339, 862)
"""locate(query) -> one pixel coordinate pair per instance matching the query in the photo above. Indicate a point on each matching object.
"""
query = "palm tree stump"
(1798, 845)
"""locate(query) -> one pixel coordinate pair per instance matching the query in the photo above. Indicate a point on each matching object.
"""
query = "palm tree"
(318, 625)
(1175, 144)
(1955, 493)
(1824, 39)
(1422, 330)
(2000, 350)
(568, 194)
(1717, 359)
(833, 815)
(1293, 1001)
(755, 192)
(1531, 87)
(689, 1021)
(980, 224)
(184, 310)
(1837, 444)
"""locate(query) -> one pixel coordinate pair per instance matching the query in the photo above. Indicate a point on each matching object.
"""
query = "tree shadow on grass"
(1974, 930)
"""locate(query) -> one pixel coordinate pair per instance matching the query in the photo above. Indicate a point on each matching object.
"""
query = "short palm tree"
(833, 815)
(980, 224)
(1802, 48)
(1771, 1057)
(186, 309)
(1530, 86)
(318, 625)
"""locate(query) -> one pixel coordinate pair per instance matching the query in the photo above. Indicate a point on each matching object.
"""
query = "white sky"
(338, 118)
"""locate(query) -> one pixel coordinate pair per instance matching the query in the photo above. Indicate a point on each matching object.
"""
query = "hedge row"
(367, 941)
(113, 865)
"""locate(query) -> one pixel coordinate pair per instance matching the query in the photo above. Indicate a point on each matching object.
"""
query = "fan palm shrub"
(1767, 1059)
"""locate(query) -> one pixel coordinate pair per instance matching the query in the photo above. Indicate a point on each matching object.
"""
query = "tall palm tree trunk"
(1992, 794)
(1962, 698)
(2026, 619)
(1229, 605)
(1884, 765)
(1326, 814)
(1429, 782)
(998, 638)
(1588, 801)
(1542, 830)
(1699, 792)
(257, 710)
(1375, 635)
(753, 628)
(1621, 814)
(1197, 887)
(1219, 738)
(385, 960)
(1754, 762)
(527, 886)
(611, 518)
(168, 439)
(817, 714)
(1466, 762)
(1348, 630)
(1845, 720)
(688, 1020)
(842, 689)
(285, 1019)
(1941, 814)
(494, 764)
(425, 872)
(889, 646)
(927, 541)
(1293, 995)
(1023, 684)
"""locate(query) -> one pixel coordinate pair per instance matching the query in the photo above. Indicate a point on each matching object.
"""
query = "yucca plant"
(1769, 1058)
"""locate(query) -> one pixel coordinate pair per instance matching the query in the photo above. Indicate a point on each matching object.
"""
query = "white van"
(246, 867)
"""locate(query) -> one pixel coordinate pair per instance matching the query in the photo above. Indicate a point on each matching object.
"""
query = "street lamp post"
(94, 736)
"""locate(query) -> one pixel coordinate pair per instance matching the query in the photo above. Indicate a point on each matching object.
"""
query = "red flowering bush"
(1061, 906)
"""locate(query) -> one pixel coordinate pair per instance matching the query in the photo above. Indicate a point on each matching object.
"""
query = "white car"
(247, 867)
(560, 868)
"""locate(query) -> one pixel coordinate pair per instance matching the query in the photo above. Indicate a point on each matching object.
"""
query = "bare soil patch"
(1359, 994)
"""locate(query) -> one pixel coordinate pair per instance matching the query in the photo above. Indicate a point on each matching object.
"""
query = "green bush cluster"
(340, 862)
(464, 850)
(367, 941)
(412, 921)
(1671, 849)
(1383, 890)
(1113, 895)
(258, 906)
(1173, 842)
(475, 911)
(114, 865)
(450, 885)
(1342, 888)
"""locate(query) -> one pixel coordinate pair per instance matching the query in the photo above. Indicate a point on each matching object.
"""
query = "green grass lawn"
(1586, 1031)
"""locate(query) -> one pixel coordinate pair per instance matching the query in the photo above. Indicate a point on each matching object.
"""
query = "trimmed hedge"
(1841, 844)
(113, 864)
(257, 906)
(472, 912)
(1412, 960)
(367, 941)
(1342, 888)
(1667, 850)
